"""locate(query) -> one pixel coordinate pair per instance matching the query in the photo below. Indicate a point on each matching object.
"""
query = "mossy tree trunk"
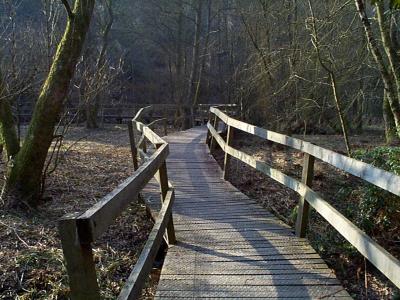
(389, 73)
(24, 178)
(8, 134)
(390, 125)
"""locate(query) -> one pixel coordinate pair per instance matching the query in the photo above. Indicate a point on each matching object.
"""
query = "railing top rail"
(98, 218)
(79, 230)
(154, 138)
(217, 105)
(141, 112)
(382, 259)
(381, 178)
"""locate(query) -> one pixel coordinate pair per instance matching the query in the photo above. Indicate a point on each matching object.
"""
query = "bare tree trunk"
(188, 109)
(390, 125)
(343, 121)
(332, 78)
(204, 54)
(8, 134)
(92, 105)
(179, 63)
(384, 28)
(25, 175)
(387, 77)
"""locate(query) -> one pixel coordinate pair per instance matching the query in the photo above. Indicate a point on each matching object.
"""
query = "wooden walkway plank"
(229, 247)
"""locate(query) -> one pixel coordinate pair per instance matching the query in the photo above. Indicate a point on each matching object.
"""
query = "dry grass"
(31, 259)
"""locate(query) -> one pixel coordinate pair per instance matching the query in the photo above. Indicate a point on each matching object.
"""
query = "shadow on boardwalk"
(229, 246)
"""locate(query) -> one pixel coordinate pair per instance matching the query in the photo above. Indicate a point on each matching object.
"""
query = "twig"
(16, 234)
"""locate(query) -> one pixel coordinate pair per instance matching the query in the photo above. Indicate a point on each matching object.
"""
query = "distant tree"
(188, 105)
(26, 165)
(326, 63)
(99, 72)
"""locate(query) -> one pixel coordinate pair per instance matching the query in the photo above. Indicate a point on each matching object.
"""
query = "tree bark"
(92, 105)
(179, 65)
(8, 132)
(387, 77)
(25, 176)
(390, 125)
(188, 109)
(332, 78)
(204, 54)
(384, 28)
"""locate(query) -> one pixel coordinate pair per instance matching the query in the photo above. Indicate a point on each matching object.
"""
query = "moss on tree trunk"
(25, 176)
(390, 125)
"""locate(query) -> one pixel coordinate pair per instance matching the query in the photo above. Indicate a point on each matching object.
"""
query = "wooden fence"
(79, 230)
(379, 257)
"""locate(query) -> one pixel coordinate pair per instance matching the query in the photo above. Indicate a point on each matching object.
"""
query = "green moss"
(26, 174)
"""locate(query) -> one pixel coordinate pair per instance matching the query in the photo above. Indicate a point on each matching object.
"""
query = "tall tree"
(25, 172)
(332, 78)
(92, 105)
(389, 72)
(188, 109)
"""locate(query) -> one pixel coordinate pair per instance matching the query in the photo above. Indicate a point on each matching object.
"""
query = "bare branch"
(68, 9)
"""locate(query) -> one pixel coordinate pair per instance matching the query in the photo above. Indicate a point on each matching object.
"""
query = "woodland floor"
(334, 185)
(31, 260)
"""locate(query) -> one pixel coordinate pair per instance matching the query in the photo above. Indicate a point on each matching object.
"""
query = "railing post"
(144, 145)
(212, 142)
(165, 126)
(79, 261)
(304, 206)
(163, 180)
(227, 158)
(208, 138)
(133, 145)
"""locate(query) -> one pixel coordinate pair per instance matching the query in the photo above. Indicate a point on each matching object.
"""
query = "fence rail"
(378, 256)
(79, 230)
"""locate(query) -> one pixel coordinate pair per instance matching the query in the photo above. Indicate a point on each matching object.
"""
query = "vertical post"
(227, 158)
(133, 146)
(208, 131)
(165, 126)
(79, 261)
(144, 145)
(163, 180)
(212, 142)
(304, 206)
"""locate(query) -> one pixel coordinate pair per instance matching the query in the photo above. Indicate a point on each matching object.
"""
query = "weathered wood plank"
(79, 261)
(378, 256)
(228, 245)
(265, 292)
(138, 276)
(386, 180)
(304, 207)
(93, 222)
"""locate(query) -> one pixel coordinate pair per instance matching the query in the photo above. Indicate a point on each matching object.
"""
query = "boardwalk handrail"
(79, 230)
(378, 256)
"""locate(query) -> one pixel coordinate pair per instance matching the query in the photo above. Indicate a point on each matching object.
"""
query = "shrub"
(379, 210)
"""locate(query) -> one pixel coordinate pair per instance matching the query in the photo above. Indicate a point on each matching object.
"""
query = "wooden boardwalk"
(229, 247)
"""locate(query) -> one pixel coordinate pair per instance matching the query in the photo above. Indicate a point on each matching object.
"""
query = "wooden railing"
(379, 257)
(79, 230)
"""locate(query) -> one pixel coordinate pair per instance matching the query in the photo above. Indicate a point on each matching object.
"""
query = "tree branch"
(68, 9)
